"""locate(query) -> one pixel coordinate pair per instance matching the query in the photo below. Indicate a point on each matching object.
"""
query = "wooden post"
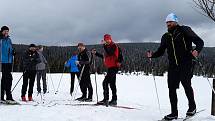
(213, 100)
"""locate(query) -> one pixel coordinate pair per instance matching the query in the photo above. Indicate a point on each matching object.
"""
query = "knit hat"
(32, 45)
(4, 28)
(172, 17)
(107, 37)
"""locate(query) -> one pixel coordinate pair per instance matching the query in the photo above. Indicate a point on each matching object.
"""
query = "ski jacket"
(71, 63)
(178, 43)
(42, 64)
(30, 59)
(6, 52)
(84, 58)
(110, 57)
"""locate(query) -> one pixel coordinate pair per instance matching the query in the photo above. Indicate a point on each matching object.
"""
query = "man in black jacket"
(178, 42)
(84, 61)
(30, 60)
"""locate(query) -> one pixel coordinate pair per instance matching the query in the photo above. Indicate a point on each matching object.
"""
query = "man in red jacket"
(112, 62)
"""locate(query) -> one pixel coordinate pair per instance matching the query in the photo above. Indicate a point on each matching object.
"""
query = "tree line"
(134, 55)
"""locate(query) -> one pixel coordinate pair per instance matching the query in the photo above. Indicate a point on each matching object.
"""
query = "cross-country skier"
(30, 60)
(6, 53)
(112, 62)
(84, 61)
(71, 63)
(178, 42)
(41, 70)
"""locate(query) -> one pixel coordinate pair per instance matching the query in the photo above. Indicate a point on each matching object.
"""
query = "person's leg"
(31, 83)
(113, 84)
(83, 86)
(44, 81)
(186, 76)
(3, 81)
(105, 87)
(8, 83)
(72, 82)
(25, 83)
(173, 100)
(89, 87)
(2, 90)
(39, 74)
(173, 84)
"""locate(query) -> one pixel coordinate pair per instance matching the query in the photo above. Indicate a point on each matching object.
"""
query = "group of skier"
(177, 41)
(80, 65)
(33, 63)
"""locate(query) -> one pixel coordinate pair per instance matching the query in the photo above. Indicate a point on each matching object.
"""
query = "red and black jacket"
(110, 56)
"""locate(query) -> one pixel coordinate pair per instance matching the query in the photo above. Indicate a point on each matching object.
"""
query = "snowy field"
(133, 91)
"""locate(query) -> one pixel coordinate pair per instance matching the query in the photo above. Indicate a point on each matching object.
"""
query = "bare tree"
(206, 7)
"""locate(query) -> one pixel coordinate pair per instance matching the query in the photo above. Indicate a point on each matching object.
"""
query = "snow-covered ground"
(133, 91)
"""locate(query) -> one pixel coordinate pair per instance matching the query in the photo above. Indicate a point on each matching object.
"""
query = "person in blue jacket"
(6, 53)
(73, 69)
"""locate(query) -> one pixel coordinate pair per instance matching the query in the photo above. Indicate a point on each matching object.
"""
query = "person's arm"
(99, 55)
(36, 58)
(86, 59)
(25, 61)
(194, 38)
(68, 63)
(161, 49)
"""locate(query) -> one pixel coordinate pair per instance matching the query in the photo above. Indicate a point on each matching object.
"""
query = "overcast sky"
(67, 22)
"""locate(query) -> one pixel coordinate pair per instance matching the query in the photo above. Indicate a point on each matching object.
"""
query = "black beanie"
(4, 28)
(32, 45)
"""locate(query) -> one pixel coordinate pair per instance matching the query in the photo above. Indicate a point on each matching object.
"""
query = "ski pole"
(79, 79)
(47, 83)
(202, 68)
(155, 84)
(60, 80)
(12, 65)
(95, 79)
(17, 82)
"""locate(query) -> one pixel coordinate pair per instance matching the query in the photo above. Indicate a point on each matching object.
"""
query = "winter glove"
(195, 53)
(118, 64)
(77, 62)
(149, 54)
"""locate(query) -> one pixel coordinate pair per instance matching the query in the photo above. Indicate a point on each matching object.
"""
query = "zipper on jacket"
(173, 46)
(185, 46)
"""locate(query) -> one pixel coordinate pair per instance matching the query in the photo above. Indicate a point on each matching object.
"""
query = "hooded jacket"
(71, 63)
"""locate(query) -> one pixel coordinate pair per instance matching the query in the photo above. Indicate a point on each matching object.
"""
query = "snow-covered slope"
(133, 91)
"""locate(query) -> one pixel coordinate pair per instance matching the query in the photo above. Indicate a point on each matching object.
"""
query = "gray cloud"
(66, 22)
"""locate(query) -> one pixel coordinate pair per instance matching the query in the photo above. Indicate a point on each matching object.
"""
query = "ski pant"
(85, 84)
(28, 79)
(182, 73)
(6, 81)
(110, 79)
(73, 80)
(41, 74)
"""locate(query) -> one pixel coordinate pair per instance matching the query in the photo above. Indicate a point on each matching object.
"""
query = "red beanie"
(107, 37)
